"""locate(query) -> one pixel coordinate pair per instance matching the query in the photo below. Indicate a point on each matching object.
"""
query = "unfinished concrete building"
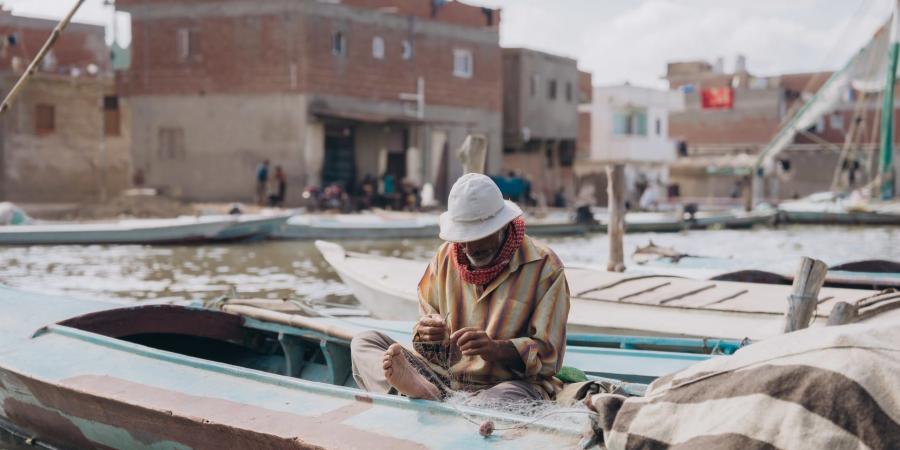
(65, 138)
(332, 91)
(540, 120)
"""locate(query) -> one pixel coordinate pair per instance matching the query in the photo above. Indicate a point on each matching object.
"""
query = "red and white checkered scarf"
(482, 276)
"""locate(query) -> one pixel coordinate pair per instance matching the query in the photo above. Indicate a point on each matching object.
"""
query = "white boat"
(253, 226)
(659, 222)
(381, 224)
(606, 302)
(834, 208)
(185, 229)
(369, 225)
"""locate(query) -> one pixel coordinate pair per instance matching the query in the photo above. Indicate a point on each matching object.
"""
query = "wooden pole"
(805, 294)
(32, 68)
(472, 153)
(615, 174)
(842, 313)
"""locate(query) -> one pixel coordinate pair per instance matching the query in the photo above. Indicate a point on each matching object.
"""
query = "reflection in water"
(282, 268)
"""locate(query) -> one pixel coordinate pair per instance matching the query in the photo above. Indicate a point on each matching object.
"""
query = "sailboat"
(870, 72)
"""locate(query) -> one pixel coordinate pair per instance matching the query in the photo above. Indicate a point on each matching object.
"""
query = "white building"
(630, 125)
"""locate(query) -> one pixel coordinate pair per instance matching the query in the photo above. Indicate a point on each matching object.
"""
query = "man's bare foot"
(403, 377)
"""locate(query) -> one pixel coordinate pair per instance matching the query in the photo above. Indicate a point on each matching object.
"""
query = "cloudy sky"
(631, 40)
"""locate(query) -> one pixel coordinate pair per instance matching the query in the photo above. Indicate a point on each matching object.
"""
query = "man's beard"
(488, 257)
(481, 262)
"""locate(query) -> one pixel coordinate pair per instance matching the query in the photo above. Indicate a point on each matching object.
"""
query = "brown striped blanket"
(824, 388)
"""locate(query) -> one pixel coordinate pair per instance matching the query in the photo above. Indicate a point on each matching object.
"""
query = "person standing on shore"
(262, 179)
(277, 198)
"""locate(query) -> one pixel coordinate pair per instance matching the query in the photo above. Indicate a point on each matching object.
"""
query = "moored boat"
(184, 229)
(829, 208)
(88, 374)
(607, 302)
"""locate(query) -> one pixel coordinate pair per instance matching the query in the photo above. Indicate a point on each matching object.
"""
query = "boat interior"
(226, 338)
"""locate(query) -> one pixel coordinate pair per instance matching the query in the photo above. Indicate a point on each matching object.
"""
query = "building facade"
(66, 136)
(729, 118)
(630, 125)
(332, 91)
(540, 120)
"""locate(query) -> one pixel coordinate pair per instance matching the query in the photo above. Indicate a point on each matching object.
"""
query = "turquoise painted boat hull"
(87, 374)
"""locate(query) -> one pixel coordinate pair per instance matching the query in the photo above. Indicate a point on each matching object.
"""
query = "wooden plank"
(627, 289)
(675, 290)
(709, 297)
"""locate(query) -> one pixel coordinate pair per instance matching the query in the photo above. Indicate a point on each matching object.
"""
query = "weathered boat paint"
(72, 387)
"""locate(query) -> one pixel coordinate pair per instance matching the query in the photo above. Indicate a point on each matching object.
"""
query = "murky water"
(283, 268)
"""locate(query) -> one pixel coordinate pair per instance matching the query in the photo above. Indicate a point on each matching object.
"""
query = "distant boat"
(665, 222)
(616, 303)
(185, 229)
(88, 374)
(833, 209)
(381, 224)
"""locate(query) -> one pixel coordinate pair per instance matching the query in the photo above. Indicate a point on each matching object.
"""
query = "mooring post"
(805, 294)
(842, 313)
(615, 174)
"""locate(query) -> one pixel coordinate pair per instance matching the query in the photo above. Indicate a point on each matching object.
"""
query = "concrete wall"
(544, 117)
(74, 162)
(225, 137)
(652, 147)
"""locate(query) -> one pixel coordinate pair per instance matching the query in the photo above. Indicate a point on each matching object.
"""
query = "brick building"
(332, 91)
(720, 143)
(65, 138)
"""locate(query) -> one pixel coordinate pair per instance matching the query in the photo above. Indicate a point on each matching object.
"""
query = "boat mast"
(886, 164)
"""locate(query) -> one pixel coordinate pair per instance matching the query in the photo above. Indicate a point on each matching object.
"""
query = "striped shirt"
(528, 304)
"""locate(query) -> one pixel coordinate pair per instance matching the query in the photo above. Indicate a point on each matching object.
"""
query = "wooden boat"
(185, 229)
(88, 374)
(253, 226)
(828, 208)
(399, 225)
(869, 274)
(606, 302)
(666, 222)
(375, 225)
(133, 231)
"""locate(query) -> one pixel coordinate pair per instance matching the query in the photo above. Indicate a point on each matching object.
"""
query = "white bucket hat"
(475, 209)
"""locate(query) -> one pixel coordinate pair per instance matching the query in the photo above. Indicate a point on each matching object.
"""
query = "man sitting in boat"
(493, 305)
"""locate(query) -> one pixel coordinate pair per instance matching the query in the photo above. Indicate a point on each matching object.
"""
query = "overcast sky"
(631, 40)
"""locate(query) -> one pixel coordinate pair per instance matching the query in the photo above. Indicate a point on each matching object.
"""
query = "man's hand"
(474, 342)
(432, 328)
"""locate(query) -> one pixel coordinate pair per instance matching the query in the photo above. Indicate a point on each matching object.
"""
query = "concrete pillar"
(314, 154)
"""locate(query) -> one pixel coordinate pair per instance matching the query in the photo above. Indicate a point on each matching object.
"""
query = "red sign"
(722, 97)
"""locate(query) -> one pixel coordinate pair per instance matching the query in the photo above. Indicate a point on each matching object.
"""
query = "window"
(171, 144)
(338, 44)
(462, 63)
(406, 50)
(111, 126)
(186, 42)
(566, 153)
(533, 85)
(568, 92)
(630, 123)
(378, 47)
(658, 127)
(44, 119)
(836, 121)
(551, 89)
